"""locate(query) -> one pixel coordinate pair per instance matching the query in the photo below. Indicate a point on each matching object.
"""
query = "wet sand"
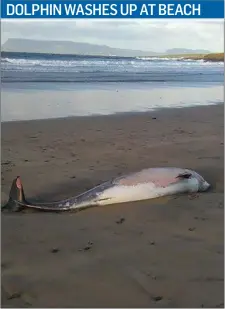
(156, 253)
(54, 100)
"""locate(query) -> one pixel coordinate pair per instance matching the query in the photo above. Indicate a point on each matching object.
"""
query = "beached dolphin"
(146, 184)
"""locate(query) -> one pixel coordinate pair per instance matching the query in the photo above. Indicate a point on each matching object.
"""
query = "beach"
(158, 253)
(59, 100)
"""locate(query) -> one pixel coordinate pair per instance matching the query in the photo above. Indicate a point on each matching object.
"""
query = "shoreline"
(212, 57)
(45, 103)
(124, 115)
(153, 253)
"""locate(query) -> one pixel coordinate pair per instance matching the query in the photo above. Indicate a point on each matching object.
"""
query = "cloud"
(153, 35)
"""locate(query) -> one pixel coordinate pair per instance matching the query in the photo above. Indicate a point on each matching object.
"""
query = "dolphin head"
(203, 185)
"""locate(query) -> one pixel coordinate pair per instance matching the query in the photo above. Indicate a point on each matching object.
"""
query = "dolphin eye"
(184, 176)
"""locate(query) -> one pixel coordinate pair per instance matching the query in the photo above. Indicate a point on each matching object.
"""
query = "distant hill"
(77, 48)
(178, 51)
(68, 47)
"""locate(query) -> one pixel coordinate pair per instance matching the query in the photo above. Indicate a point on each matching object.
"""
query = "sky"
(150, 35)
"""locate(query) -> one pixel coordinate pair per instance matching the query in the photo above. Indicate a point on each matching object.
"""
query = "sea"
(70, 85)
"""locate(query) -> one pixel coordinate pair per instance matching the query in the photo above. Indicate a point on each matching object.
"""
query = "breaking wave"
(41, 67)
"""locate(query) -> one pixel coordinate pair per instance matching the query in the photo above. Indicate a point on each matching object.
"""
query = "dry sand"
(156, 253)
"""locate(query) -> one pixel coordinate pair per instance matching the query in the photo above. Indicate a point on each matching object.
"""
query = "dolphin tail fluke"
(16, 196)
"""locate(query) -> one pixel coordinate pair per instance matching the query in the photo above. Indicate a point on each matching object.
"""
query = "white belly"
(144, 191)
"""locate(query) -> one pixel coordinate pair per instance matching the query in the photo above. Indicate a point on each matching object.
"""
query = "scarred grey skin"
(146, 184)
